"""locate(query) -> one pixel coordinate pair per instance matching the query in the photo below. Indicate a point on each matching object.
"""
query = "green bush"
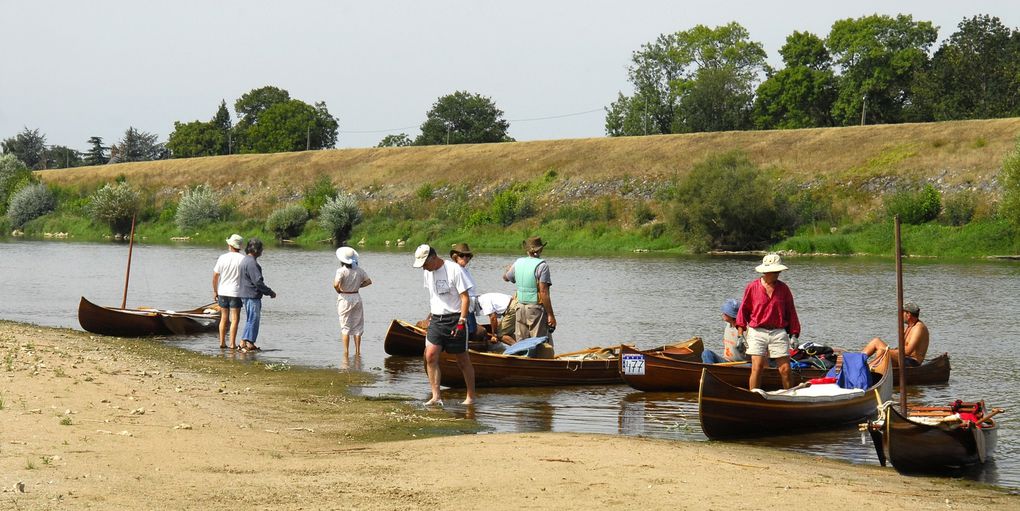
(508, 206)
(959, 208)
(425, 192)
(338, 216)
(915, 207)
(287, 222)
(643, 213)
(1009, 177)
(13, 175)
(318, 193)
(727, 203)
(29, 203)
(198, 207)
(114, 205)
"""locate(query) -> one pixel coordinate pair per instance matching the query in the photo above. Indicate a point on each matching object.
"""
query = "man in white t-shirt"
(502, 312)
(448, 307)
(226, 286)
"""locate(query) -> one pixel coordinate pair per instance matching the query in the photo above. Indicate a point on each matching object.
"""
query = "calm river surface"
(641, 299)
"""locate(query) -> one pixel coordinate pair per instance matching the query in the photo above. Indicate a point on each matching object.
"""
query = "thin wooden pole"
(900, 355)
(127, 274)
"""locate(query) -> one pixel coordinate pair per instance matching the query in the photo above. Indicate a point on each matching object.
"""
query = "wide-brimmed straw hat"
(347, 255)
(235, 241)
(771, 263)
(533, 243)
(462, 249)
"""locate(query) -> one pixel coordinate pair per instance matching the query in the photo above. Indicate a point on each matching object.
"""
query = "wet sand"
(101, 423)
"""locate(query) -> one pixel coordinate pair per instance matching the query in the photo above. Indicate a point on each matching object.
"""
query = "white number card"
(633, 364)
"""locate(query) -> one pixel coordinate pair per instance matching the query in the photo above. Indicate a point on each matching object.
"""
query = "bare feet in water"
(434, 402)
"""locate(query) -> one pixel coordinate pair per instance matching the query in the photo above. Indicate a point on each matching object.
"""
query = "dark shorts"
(439, 333)
(229, 302)
(910, 362)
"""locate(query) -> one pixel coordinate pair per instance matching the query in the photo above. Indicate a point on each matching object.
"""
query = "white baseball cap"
(235, 241)
(421, 254)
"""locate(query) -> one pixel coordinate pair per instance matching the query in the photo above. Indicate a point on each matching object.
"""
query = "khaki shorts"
(775, 343)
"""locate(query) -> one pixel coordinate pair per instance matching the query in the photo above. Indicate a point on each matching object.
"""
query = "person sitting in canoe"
(734, 344)
(915, 340)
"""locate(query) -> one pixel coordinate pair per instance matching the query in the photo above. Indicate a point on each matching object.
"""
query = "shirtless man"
(915, 338)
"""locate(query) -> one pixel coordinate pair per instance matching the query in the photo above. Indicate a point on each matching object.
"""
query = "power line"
(561, 116)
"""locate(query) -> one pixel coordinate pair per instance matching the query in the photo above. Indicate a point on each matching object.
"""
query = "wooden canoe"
(913, 446)
(593, 366)
(406, 340)
(659, 373)
(727, 411)
(143, 322)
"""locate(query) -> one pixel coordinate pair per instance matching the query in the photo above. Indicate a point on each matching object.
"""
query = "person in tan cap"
(535, 317)
(226, 286)
(915, 340)
(769, 317)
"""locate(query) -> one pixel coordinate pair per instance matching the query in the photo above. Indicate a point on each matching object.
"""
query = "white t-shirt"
(229, 268)
(493, 303)
(445, 286)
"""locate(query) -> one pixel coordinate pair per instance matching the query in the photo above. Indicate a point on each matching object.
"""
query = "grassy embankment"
(600, 194)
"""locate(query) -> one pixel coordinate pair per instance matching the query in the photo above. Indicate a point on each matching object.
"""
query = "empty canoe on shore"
(727, 411)
(142, 322)
(652, 372)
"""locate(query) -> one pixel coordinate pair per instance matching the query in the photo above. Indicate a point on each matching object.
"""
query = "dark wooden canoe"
(727, 411)
(142, 322)
(406, 340)
(917, 447)
(661, 373)
(593, 366)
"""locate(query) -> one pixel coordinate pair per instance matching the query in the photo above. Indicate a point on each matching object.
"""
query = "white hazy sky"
(75, 69)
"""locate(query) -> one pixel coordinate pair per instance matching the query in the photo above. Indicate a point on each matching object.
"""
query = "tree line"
(874, 69)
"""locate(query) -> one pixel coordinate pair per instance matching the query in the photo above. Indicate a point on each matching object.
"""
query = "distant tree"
(139, 146)
(196, 138)
(398, 140)
(62, 157)
(291, 126)
(114, 205)
(802, 94)
(338, 216)
(14, 174)
(879, 57)
(96, 155)
(702, 79)
(29, 146)
(251, 104)
(221, 121)
(975, 74)
(1009, 176)
(463, 118)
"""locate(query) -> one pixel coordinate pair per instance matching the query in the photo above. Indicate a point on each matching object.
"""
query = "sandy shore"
(99, 423)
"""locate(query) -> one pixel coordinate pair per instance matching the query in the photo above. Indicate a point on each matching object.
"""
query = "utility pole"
(308, 138)
(864, 107)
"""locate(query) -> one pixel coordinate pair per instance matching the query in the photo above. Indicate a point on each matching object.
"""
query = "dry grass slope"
(959, 152)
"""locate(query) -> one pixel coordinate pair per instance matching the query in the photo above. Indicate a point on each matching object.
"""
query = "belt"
(348, 292)
(444, 316)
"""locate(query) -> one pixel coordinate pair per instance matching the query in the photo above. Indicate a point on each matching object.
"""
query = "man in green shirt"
(535, 316)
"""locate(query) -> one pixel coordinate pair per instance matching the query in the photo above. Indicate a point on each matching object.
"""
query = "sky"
(77, 69)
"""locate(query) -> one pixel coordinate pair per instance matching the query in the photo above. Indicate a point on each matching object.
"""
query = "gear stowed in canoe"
(140, 322)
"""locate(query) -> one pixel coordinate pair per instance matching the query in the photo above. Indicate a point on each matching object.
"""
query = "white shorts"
(775, 343)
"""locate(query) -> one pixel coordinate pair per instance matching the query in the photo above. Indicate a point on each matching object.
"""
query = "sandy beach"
(88, 422)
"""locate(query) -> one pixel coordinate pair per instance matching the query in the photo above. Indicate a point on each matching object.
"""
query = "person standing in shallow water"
(462, 255)
(226, 284)
(530, 274)
(448, 310)
(252, 288)
(769, 317)
(347, 282)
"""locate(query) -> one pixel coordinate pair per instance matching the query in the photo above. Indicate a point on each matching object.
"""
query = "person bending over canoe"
(226, 284)
(734, 344)
(448, 306)
(535, 316)
(915, 340)
(769, 317)
(502, 312)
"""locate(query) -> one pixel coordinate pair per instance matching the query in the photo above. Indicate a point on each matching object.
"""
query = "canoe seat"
(807, 392)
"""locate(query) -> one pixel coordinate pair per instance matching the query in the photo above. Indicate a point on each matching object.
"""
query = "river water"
(642, 299)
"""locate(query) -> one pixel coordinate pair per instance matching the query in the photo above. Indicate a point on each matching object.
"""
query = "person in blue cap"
(734, 345)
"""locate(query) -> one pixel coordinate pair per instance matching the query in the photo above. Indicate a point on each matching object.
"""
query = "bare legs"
(432, 352)
(232, 315)
(783, 365)
(464, 362)
(758, 365)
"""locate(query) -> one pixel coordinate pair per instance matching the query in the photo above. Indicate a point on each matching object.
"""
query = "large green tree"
(292, 126)
(879, 57)
(975, 74)
(702, 79)
(801, 95)
(29, 146)
(463, 118)
(196, 138)
(96, 155)
(222, 122)
(62, 157)
(138, 146)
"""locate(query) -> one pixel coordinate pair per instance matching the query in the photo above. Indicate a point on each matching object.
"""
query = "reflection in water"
(841, 302)
(350, 363)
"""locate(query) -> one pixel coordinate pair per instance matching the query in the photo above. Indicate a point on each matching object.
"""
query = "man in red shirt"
(768, 316)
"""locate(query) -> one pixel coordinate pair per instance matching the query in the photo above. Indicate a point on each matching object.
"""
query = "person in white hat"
(347, 282)
(226, 286)
(769, 317)
(448, 311)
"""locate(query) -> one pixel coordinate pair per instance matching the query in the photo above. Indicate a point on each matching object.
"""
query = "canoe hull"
(727, 411)
(667, 374)
(406, 340)
(142, 322)
(914, 447)
(496, 370)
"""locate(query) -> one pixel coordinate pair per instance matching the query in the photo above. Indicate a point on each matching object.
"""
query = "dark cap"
(912, 308)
